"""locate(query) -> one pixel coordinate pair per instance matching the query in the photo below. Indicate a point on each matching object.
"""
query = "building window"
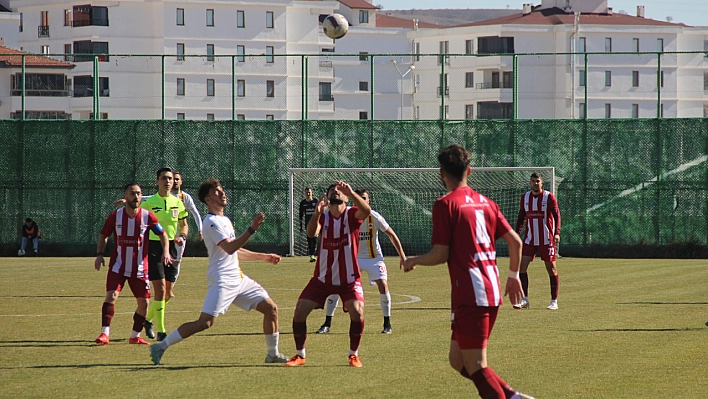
(363, 57)
(240, 19)
(582, 78)
(416, 112)
(447, 112)
(469, 79)
(67, 51)
(363, 86)
(21, 25)
(495, 44)
(270, 23)
(67, 17)
(608, 111)
(83, 86)
(210, 117)
(45, 49)
(444, 89)
(507, 80)
(87, 15)
(180, 116)
(705, 110)
(240, 88)
(608, 78)
(270, 88)
(180, 86)
(270, 50)
(363, 16)
(662, 79)
(210, 52)
(608, 44)
(469, 111)
(180, 51)
(582, 47)
(209, 17)
(326, 91)
(43, 29)
(241, 117)
(41, 85)
(180, 19)
(469, 47)
(635, 45)
(581, 110)
(89, 47)
(635, 110)
(705, 48)
(210, 87)
(660, 45)
(494, 110)
(363, 115)
(270, 117)
(104, 115)
(417, 51)
(444, 49)
(635, 78)
(705, 80)
(661, 111)
(241, 53)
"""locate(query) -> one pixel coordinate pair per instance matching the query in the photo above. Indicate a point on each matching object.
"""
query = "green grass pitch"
(625, 329)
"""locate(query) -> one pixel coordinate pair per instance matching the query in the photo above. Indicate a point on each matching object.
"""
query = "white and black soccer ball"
(20, 252)
(335, 26)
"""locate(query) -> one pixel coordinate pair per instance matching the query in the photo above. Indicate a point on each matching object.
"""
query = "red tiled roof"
(556, 16)
(358, 4)
(12, 58)
(388, 21)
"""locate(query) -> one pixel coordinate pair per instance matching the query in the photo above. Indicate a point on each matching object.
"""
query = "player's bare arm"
(100, 247)
(520, 220)
(244, 254)
(513, 284)
(183, 231)
(231, 246)
(363, 208)
(397, 245)
(437, 255)
(313, 226)
(165, 242)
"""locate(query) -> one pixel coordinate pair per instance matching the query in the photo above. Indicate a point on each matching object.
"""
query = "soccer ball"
(20, 252)
(335, 26)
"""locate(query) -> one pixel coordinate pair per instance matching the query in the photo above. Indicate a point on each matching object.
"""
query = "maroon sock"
(107, 313)
(138, 322)
(508, 390)
(300, 334)
(524, 277)
(356, 329)
(554, 287)
(487, 384)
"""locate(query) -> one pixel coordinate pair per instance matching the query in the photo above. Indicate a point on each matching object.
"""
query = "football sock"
(331, 305)
(328, 321)
(172, 338)
(356, 328)
(106, 330)
(151, 312)
(524, 277)
(300, 334)
(387, 322)
(355, 353)
(272, 343)
(300, 352)
(554, 287)
(159, 307)
(487, 385)
(138, 323)
(107, 313)
(508, 390)
(385, 300)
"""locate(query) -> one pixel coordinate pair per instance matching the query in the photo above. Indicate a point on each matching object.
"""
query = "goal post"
(405, 197)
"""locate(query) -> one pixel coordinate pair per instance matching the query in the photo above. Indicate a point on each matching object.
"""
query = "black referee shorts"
(158, 271)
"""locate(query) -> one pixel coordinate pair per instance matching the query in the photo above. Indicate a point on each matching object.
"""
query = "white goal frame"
(549, 183)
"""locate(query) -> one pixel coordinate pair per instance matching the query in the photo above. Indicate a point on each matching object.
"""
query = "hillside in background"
(450, 17)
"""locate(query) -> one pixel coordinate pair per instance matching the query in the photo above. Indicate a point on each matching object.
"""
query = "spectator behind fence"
(30, 231)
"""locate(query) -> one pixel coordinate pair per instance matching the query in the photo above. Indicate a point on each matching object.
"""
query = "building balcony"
(89, 22)
(495, 85)
(447, 91)
(43, 31)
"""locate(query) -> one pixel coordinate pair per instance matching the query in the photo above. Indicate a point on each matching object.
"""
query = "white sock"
(106, 330)
(171, 339)
(331, 305)
(385, 300)
(300, 352)
(355, 353)
(272, 343)
(134, 334)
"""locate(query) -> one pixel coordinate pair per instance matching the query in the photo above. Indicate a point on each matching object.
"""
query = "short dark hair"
(27, 220)
(361, 191)
(131, 185)
(206, 187)
(174, 172)
(308, 188)
(165, 169)
(331, 186)
(454, 160)
(536, 175)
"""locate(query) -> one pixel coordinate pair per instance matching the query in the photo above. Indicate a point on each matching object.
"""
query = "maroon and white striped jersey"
(469, 224)
(542, 218)
(339, 243)
(131, 239)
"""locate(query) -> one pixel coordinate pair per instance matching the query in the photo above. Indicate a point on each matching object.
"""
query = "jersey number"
(481, 233)
(551, 251)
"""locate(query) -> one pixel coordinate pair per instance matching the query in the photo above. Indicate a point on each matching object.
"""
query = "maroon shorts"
(547, 252)
(139, 286)
(472, 325)
(317, 291)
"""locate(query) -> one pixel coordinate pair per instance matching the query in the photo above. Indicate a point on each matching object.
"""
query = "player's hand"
(322, 205)
(179, 241)
(273, 259)
(409, 265)
(401, 261)
(258, 221)
(166, 259)
(557, 239)
(201, 236)
(513, 290)
(344, 188)
(119, 202)
(99, 262)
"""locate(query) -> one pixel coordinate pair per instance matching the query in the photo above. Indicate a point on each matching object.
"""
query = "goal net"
(405, 197)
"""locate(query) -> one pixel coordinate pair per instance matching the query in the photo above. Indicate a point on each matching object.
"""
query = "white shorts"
(376, 268)
(246, 294)
(180, 251)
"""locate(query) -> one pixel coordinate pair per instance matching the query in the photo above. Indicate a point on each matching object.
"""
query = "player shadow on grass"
(33, 343)
(661, 303)
(686, 329)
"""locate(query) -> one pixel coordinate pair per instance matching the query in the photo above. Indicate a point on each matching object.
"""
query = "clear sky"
(689, 12)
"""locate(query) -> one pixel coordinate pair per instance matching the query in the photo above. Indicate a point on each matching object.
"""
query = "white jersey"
(223, 268)
(369, 247)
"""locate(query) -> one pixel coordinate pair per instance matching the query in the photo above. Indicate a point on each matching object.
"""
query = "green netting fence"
(620, 183)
